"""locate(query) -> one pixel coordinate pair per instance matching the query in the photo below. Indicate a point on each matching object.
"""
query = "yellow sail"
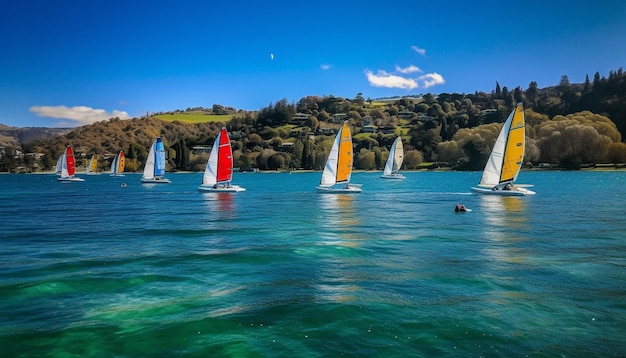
(93, 163)
(514, 150)
(121, 163)
(344, 162)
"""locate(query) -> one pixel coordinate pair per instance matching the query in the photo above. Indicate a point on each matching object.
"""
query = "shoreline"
(600, 168)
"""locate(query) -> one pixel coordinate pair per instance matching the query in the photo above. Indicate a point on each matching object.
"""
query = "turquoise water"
(97, 269)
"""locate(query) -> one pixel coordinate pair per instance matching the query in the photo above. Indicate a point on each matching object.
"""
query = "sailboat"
(117, 167)
(506, 159)
(67, 166)
(338, 169)
(154, 170)
(93, 165)
(219, 168)
(394, 161)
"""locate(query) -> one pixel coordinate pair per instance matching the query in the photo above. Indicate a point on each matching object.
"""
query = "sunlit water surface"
(98, 269)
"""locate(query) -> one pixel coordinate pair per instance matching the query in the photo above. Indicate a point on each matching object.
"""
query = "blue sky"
(67, 63)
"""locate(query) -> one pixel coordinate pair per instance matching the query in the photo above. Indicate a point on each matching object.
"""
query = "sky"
(67, 63)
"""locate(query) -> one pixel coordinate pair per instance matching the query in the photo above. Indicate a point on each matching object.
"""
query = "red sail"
(69, 158)
(224, 158)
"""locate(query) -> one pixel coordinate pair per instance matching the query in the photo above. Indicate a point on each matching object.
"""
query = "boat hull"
(155, 181)
(221, 189)
(517, 191)
(67, 180)
(339, 190)
(393, 176)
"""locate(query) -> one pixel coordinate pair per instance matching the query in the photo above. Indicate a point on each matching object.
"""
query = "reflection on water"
(338, 219)
(503, 211)
(338, 237)
(503, 216)
(220, 204)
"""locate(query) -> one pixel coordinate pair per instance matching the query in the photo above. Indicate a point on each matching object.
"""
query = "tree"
(617, 153)
(365, 159)
(532, 93)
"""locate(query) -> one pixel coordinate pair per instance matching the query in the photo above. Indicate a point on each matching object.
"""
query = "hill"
(568, 124)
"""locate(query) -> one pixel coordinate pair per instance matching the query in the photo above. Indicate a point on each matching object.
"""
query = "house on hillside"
(326, 131)
(370, 128)
(199, 149)
(299, 119)
(339, 117)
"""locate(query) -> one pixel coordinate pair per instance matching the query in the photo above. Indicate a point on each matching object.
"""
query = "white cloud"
(431, 79)
(406, 70)
(383, 79)
(325, 66)
(421, 51)
(403, 79)
(82, 115)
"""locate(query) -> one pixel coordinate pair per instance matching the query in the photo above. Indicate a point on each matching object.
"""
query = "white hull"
(517, 191)
(393, 176)
(116, 175)
(76, 179)
(338, 190)
(155, 181)
(221, 189)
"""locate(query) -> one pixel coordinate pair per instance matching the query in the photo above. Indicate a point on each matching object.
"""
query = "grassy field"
(194, 117)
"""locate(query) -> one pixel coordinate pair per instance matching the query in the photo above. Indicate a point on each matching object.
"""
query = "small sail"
(148, 169)
(338, 167)
(219, 168)
(121, 160)
(395, 159)
(93, 164)
(59, 165)
(514, 151)
(117, 166)
(154, 170)
(505, 160)
(67, 166)
(159, 160)
(70, 165)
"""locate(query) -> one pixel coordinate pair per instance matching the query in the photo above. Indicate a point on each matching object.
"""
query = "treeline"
(568, 125)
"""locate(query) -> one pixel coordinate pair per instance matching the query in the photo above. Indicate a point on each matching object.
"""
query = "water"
(97, 269)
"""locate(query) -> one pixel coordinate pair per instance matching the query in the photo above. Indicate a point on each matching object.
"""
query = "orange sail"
(344, 162)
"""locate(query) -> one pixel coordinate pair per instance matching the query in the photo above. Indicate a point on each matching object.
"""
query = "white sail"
(394, 161)
(493, 168)
(114, 165)
(64, 168)
(210, 172)
(329, 176)
(148, 170)
(59, 165)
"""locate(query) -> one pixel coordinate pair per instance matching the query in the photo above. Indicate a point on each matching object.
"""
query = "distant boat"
(506, 159)
(394, 161)
(93, 165)
(338, 169)
(117, 167)
(154, 170)
(67, 166)
(218, 173)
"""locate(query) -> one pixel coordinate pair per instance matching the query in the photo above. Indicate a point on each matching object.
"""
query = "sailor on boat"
(460, 208)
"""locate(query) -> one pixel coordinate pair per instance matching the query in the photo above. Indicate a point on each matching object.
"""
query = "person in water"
(459, 208)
